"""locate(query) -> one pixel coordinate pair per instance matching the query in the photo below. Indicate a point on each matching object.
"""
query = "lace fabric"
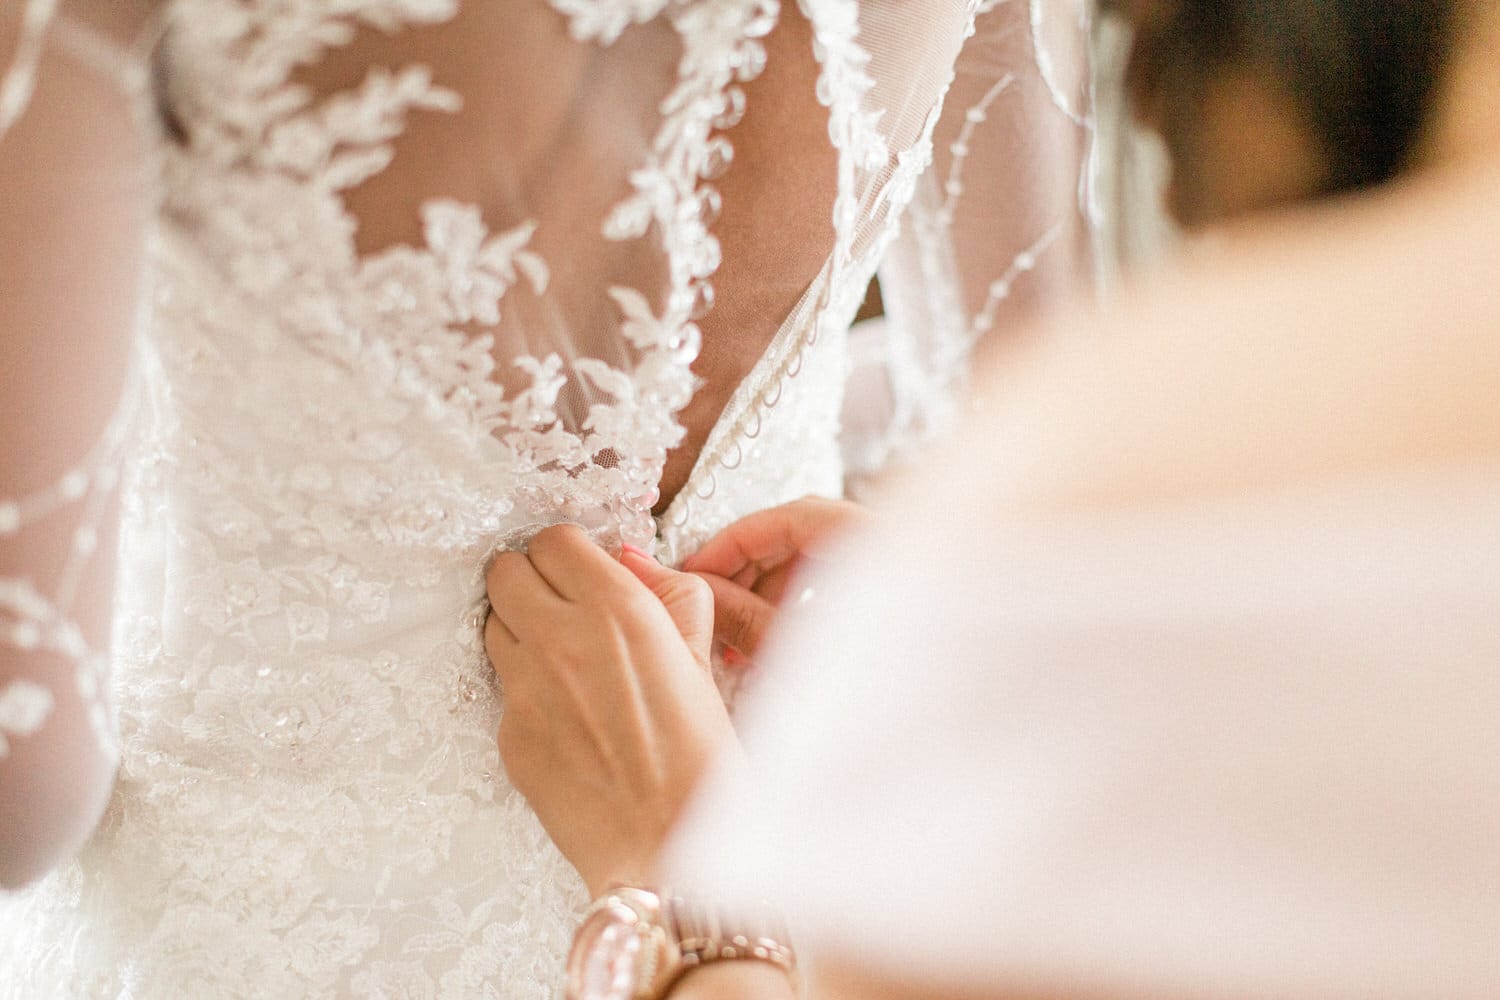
(995, 229)
(369, 364)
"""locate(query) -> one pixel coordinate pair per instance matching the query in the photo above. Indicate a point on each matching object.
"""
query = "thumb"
(741, 617)
(688, 601)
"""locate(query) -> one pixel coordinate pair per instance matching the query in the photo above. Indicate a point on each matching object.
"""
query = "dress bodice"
(345, 420)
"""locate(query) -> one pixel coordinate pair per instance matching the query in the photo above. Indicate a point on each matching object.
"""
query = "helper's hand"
(611, 715)
(749, 564)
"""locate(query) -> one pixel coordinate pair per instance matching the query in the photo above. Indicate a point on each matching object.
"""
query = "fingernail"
(632, 550)
(734, 658)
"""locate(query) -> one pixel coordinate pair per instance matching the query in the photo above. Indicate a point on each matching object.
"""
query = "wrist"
(636, 944)
(600, 884)
(734, 981)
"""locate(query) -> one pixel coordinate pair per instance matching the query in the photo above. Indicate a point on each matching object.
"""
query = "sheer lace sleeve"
(998, 226)
(72, 221)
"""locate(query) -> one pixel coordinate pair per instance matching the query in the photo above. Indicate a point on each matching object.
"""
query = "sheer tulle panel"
(1011, 156)
(1004, 214)
(913, 49)
(885, 68)
(517, 197)
(549, 140)
(998, 227)
(535, 137)
(881, 69)
(775, 225)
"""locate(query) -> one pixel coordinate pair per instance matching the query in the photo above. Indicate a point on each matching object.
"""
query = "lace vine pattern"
(35, 622)
(843, 85)
(722, 49)
(951, 366)
(879, 174)
(24, 707)
(314, 152)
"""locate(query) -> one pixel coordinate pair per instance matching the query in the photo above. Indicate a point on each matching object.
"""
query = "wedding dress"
(424, 276)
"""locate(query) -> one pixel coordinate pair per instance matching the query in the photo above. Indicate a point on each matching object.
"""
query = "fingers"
(573, 565)
(763, 537)
(771, 537)
(741, 617)
(530, 593)
(666, 583)
(501, 645)
(688, 600)
(561, 566)
(772, 584)
(520, 598)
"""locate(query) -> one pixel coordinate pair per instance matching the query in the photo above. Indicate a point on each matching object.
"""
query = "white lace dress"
(423, 277)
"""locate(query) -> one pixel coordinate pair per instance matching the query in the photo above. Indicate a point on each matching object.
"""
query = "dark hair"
(1362, 74)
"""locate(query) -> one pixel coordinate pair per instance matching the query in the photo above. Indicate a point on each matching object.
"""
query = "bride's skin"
(1364, 283)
